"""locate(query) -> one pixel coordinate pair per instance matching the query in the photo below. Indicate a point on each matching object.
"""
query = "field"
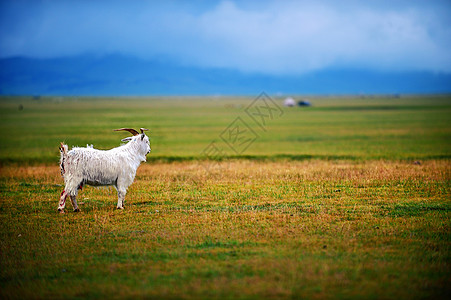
(348, 199)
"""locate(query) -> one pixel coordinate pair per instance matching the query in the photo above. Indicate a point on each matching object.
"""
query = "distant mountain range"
(119, 75)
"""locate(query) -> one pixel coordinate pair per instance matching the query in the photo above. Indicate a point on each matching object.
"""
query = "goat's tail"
(63, 151)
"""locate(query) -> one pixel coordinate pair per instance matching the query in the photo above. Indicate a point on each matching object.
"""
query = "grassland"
(181, 128)
(346, 199)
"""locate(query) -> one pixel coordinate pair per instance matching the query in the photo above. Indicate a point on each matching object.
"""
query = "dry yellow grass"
(246, 229)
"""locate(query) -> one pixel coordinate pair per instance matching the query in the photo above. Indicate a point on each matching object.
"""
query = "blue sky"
(267, 37)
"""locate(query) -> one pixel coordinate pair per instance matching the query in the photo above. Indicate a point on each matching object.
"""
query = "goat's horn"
(143, 129)
(131, 130)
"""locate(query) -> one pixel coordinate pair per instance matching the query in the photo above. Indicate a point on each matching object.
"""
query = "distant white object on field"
(289, 102)
(116, 167)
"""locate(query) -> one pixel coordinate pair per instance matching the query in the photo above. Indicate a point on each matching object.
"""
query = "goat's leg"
(74, 203)
(62, 203)
(120, 199)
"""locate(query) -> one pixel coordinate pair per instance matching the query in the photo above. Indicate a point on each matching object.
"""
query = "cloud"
(302, 37)
(267, 37)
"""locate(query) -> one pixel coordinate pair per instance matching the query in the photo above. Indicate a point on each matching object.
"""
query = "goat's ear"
(128, 139)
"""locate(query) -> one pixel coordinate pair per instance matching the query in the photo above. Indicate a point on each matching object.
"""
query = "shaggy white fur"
(116, 167)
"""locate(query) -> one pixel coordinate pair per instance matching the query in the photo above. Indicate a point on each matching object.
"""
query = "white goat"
(116, 167)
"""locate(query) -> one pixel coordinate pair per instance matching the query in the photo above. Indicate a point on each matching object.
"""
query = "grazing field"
(181, 128)
(347, 199)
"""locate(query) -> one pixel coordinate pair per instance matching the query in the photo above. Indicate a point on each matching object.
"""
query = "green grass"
(334, 128)
(312, 229)
(326, 203)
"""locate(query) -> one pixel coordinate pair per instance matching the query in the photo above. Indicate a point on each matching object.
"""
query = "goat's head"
(141, 138)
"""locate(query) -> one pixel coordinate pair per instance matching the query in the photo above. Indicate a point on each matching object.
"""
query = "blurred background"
(373, 78)
(224, 47)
